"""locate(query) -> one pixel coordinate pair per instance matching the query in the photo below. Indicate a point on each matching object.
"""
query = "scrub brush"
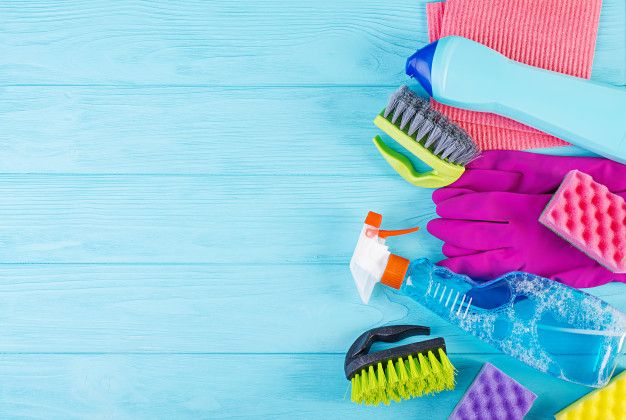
(398, 373)
(427, 134)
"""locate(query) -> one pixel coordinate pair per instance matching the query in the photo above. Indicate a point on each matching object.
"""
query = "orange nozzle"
(375, 220)
(387, 233)
(395, 271)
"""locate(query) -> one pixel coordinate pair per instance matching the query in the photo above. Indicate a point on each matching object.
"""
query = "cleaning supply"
(547, 325)
(488, 234)
(463, 73)
(397, 373)
(426, 133)
(587, 215)
(494, 396)
(491, 24)
(608, 403)
(531, 173)
(555, 35)
(482, 246)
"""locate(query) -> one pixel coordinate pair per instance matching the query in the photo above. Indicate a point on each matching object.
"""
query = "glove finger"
(544, 173)
(499, 207)
(443, 194)
(520, 161)
(502, 160)
(483, 266)
(451, 251)
(483, 206)
(589, 276)
(478, 236)
(488, 180)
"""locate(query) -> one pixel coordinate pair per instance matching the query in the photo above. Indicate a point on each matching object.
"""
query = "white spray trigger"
(371, 255)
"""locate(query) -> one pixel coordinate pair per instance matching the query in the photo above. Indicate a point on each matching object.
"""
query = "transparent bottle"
(547, 325)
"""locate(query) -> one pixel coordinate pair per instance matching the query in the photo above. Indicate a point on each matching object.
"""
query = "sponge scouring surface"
(494, 396)
(608, 403)
(591, 218)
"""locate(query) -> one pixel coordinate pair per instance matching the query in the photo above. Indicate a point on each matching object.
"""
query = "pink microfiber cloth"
(494, 396)
(554, 35)
(590, 217)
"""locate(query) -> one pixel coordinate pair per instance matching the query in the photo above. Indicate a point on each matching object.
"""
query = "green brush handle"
(404, 167)
(443, 173)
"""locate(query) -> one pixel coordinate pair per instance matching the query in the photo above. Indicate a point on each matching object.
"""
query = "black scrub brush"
(403, 372)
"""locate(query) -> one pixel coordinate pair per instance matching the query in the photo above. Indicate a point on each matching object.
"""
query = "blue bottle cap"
(419, 66)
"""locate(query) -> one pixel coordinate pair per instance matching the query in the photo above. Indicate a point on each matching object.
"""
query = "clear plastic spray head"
(372, 262)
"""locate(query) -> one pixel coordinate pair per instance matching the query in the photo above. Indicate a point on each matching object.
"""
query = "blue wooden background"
(181, 188)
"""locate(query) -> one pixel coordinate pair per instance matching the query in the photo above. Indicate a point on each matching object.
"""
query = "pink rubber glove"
(488, 234)
(519, 172)
(532, 173)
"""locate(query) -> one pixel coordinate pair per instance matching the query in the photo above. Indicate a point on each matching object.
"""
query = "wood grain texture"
(197, 219)
(191, 130)
(225, 386)
(174, 130)
(181, 187)
(301, 308)
(219, 42)
(243, 43)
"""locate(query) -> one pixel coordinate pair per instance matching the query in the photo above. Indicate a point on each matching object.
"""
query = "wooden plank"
(191, 130)
(265, 131)
(212, 43)
(225, 386)
(233, 43)
(204, 308)
(198, 219)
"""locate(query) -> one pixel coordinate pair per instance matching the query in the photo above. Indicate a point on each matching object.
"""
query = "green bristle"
(426, 373)
(364, 383)
(371, 380)
(448, 370)
(356, 388)
(392, 377)
(382, 380)
(368, 386)
(417, 381)
(392, 380)
(382, 386)
(424, 366)
(403, 375)
(403, 379)
(438, 383)
(413, 367)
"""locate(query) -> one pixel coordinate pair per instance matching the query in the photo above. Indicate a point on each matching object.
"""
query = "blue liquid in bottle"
(547, 325)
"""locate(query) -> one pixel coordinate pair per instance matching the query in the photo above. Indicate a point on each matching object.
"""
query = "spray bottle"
(550, 326)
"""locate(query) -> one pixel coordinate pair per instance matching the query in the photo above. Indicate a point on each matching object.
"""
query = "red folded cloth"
(558, 35)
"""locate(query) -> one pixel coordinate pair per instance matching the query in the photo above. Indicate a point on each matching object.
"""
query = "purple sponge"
(494, 395)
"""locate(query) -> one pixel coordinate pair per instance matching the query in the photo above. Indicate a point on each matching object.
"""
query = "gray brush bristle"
(429, 127)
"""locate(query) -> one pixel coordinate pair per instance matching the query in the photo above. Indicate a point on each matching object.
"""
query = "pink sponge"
(590, 217)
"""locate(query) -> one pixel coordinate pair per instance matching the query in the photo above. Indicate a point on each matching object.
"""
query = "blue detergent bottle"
(550, 326)
(459, 72)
